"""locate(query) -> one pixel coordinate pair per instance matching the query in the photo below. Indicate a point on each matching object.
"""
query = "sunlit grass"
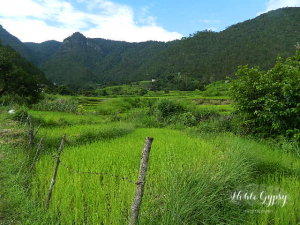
(47, 118)
(191, 172)
(83, 134)
(221, 109)
(87, 198)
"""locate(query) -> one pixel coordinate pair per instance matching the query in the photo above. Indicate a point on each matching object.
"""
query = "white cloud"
(35, 30)
(17, 8)
(276, 4)
(210, 21)
(41, 20)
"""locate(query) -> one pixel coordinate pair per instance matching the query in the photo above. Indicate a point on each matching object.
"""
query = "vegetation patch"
(269, 101)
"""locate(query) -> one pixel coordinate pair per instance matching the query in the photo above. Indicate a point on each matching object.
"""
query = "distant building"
(153, 80)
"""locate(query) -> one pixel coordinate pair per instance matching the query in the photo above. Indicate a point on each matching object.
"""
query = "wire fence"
(161, 203)
(96, 173)
(32, 135)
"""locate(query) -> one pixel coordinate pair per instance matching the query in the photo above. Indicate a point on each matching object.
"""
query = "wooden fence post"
(36, 154)
(55, 172)
(36, 131)
(31, 132)
(135, 208)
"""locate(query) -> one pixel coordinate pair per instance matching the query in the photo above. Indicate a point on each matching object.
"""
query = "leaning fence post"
(135, 208)
(31, 132)
(55, 172)
(36, 131)
(36, 154)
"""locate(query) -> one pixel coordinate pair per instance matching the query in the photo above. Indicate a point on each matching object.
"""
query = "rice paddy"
(192, 175)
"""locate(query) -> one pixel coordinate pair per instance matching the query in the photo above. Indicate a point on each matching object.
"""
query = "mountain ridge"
(207, 56)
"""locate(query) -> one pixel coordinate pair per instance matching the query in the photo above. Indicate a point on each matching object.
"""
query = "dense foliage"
(42, 51)
(82, 62)
(20, 78)
(270, 101)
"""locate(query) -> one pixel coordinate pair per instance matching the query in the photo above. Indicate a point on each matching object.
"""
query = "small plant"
(188, 119)
(142, 92)
(80, 110)
(59, 105)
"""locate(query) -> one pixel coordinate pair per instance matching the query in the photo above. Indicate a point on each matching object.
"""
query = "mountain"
(82, 62)
(43, 50)
(207, 56)
(8, 39)
(211, 56)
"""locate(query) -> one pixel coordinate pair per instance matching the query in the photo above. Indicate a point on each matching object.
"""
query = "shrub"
(178, 112)
(80, 110)
(64, 90)
(216, 125)
(168, 108)
(142, 92)
(20, 114)
(269, 101)
(188, 119)
(59, 105)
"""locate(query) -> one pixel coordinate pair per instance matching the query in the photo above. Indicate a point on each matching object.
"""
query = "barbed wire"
(161, 203)
(102, 173)
(96, 173)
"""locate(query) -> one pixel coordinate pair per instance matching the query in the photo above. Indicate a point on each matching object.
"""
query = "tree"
(270, 101)
(103, 92)
(142, 92)
(64, 90)
(14, 80)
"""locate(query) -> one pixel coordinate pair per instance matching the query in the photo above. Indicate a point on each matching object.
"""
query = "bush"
(59, 105)
(142, 92)
(178, 113)
(269, 101)
(20, 114)
(216, 125)
(64, 90)
(188, 119)
(168, 108)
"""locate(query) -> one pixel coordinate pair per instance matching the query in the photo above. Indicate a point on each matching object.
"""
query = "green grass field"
(197, 162)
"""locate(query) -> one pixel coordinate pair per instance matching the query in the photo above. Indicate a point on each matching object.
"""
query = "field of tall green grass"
(199, 161)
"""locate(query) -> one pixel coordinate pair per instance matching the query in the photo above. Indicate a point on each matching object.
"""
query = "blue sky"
(127, 20)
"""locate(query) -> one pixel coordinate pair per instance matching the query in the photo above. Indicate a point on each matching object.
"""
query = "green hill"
(83, 62)
(43, 50)
(211, 56)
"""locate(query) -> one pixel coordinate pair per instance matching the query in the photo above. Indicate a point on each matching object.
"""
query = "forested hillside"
(206, 56)
(83, 62)
(19, 78)
(211, 56)
(8, 39)
(43, 50)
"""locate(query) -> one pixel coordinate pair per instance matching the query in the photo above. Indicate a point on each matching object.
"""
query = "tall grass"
(58, 105)
(185, 173)
(83, 134)
(61, 119)
(191, 176)
(274, 168)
